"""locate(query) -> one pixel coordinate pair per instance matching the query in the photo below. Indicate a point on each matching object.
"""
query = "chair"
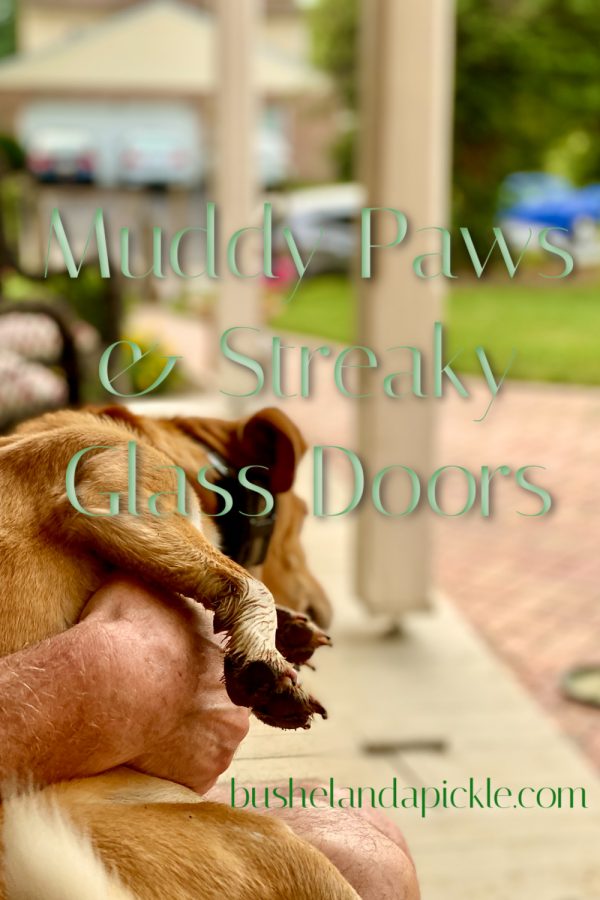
(39, 360)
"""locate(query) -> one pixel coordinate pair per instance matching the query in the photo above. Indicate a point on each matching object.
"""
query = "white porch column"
(408, 74)
(236, 170)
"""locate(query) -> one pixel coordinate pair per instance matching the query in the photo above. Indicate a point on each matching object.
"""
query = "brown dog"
(52, 558)
(57, 556)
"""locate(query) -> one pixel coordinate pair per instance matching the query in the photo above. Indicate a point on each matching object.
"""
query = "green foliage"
(12, 155)
(334, 26)
(344, 154)
(85, 295)
(145, 372)
(527, 79)
(334, 29)
(527, 91)
(8, 27)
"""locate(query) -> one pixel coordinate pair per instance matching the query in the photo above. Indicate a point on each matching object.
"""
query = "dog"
(152, 838)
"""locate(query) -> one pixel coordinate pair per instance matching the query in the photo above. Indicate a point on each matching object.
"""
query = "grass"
(555, 329)
(324, 306)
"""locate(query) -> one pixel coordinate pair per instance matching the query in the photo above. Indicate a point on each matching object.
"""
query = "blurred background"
(478, 114)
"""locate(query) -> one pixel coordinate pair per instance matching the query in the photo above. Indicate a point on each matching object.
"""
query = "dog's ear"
(269, 438)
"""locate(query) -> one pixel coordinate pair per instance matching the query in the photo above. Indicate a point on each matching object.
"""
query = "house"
(115, 52)
(42, 23)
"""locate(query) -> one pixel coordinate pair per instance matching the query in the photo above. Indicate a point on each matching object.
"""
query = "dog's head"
(268, 439)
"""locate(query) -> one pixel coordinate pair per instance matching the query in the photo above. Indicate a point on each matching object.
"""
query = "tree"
(527, 82)
(527, 77)
(8, 27)
(334, 29)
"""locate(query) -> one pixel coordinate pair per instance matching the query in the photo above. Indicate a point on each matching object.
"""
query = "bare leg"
(363, 844)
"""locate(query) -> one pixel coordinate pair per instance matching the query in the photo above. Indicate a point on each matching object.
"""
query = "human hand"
(190, 728)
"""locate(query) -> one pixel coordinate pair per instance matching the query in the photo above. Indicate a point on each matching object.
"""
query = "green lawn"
(554, 329)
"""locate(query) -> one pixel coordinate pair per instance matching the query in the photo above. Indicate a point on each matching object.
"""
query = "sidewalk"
(532, 587)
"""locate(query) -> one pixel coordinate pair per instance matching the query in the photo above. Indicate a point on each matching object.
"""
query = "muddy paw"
(297, 637)
(293, 708)
(271, 692)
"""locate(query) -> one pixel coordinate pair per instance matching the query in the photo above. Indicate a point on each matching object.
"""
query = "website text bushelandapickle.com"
(474, 794)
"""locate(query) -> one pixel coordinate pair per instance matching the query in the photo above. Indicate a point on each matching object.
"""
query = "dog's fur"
(156, 838)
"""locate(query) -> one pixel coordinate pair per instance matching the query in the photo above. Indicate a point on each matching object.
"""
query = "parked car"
(158, 141)
(61, 154)
(529, 187)
(325, 218)
(532, 201)
(160, 157)
(542, 201)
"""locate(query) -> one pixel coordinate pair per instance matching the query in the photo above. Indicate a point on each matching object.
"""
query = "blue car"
(537, 199)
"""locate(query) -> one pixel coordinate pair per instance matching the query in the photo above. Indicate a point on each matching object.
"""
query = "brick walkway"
(532, 586)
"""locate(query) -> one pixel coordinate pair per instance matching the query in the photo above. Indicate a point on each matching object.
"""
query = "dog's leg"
(171, 552)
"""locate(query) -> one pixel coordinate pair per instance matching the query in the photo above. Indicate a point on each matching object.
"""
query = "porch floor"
(438, 705)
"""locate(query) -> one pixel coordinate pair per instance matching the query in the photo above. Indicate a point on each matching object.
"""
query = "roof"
(272, 6)
(162, 47)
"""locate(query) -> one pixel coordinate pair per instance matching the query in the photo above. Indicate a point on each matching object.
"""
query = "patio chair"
(39, 360)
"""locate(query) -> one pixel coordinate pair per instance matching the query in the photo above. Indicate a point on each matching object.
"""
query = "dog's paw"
(271, 691)
(290, 709)
(297, 636)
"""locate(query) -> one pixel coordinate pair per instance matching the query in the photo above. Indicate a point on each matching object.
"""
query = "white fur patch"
(45, 858)
(195, 515)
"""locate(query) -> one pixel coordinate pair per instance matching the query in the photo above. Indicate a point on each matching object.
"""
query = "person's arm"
(137, 681)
